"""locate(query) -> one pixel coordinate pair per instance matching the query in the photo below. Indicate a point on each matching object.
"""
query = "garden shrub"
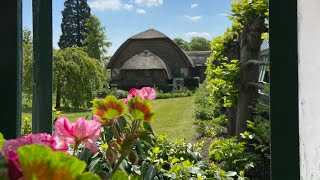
(185, 93)
(232, 154)
(26, 127)
(204, 108)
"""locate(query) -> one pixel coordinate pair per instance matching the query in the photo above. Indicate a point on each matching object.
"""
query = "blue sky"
(125, 18)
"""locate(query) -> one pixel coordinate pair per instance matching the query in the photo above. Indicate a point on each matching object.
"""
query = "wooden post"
(42, 66)
(284, 90)
(10, 67)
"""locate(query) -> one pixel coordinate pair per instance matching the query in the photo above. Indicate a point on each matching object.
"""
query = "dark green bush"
(161, 95)
(192, 82)
(204, 108)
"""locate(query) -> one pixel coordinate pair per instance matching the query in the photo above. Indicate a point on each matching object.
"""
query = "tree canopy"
(76, 77)
(199, 44)
(27, 64)
(95, 40)
(196, 44)
(74, 29)
(184, 45)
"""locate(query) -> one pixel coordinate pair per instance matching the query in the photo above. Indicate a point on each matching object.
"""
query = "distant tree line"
(79, 63)
(196, 44)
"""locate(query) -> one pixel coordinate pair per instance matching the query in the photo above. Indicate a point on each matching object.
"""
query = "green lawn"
(72, 116)
(174, 118)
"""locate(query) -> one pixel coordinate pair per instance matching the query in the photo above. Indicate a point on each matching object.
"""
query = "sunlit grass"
(174, 118)
(71, 115)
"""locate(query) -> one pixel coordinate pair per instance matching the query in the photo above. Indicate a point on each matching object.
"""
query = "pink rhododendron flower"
(147, 93)
(144, 93)
(125, 100)
(82, 131)
(41, 138)
(10, 147)
(132, 93)
(14, 170)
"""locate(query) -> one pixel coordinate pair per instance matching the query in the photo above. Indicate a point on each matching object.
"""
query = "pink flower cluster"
(82, 131)
(10, 147)
(147, 93)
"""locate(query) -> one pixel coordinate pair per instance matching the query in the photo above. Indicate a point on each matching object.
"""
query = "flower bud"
(133, 157)
(111, 155)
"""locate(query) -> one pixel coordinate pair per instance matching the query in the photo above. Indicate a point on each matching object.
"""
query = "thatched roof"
(149, 34)
(198, 58)
(145, 60)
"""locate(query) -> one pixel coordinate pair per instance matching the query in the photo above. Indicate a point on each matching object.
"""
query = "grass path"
(174, 118)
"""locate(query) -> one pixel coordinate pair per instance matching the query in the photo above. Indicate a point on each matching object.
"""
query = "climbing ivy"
(222, 71)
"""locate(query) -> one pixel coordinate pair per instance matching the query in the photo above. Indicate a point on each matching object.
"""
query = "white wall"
(309, 88)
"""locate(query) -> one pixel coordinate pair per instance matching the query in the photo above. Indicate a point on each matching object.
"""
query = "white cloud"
(127, 7)
(149, 3)
(224, 14)
(141, 11)
(194, 5)
(198, 34)
(105, 4)
(193, 18)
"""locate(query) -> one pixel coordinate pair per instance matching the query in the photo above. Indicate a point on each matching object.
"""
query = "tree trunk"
(233, 53)
(250, 41)
(232, 120)
(58, 97)
(78, 26)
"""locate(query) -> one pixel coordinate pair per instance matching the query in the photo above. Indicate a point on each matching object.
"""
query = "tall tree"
(76, 77)
(27, 64)
(182, 44)
(252, 15)
(220, 68)
(74, 29)
(199, 44)
(95, 40)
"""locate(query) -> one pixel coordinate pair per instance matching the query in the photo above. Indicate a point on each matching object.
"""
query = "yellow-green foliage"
(222, 73)
(245, 11)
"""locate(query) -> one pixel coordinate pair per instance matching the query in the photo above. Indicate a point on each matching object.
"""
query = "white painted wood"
(309, 88)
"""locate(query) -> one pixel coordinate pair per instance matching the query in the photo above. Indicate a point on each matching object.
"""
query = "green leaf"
(2, 140)
(120, 175)
(147, 126)
(174, 160)
(145, 135)
(94, 165)
(231, 173)
(40, 162)
(186, 163)
(85, 154)
(135, 177)
(144, 168)
(155, 150)
(151, 173)
(175, 168)
(89, 176)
